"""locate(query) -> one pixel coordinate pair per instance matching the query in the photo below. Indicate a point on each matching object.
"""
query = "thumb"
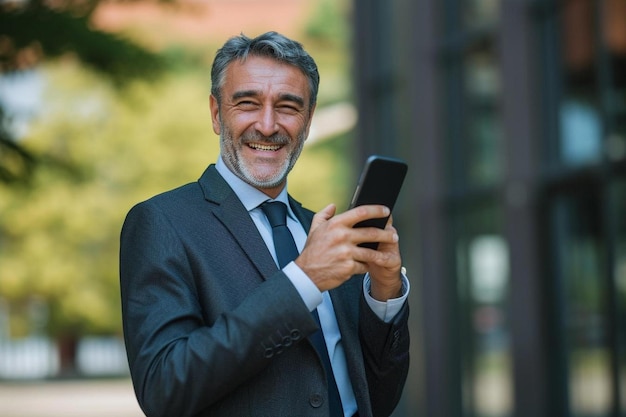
(323, 216)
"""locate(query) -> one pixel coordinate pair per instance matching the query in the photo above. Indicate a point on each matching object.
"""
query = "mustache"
(276, 139)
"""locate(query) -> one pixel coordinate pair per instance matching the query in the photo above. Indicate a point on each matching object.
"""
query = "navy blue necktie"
(286, 251)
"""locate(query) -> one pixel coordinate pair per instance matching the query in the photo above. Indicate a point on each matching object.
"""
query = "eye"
(246, 104)
(289, 108)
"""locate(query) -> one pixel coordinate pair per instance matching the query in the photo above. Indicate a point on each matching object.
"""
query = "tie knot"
(276, 213)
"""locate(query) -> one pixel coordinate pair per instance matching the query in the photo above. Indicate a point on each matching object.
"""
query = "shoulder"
(172, 198)
(185, 195)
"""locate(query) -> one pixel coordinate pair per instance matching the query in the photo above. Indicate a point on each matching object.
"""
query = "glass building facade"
(512, 116)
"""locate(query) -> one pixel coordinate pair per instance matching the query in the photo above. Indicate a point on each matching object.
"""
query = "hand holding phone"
(380, 183)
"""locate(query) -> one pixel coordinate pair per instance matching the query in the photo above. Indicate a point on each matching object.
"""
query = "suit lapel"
(304, 216)
(227, 208)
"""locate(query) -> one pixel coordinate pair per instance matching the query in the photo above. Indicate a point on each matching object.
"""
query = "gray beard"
(240, 170)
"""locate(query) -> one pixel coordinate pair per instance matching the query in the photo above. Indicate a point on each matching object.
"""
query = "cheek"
(294, 127)
(241, 123)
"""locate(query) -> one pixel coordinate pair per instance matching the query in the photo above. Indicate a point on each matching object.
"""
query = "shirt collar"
(249, 196)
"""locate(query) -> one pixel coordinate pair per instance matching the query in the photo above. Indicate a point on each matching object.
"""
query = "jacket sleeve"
(179, 363)
(386, 356)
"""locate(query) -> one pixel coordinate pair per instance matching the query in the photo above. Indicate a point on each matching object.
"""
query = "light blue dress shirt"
(311, 295)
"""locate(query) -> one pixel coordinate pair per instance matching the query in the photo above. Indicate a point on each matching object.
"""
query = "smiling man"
(262, 115)
(236, 300)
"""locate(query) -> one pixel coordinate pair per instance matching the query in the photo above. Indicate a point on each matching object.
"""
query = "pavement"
(73, 398)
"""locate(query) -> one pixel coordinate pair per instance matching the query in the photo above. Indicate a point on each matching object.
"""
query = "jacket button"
(316, 400)
(295, 334)
(269, 352)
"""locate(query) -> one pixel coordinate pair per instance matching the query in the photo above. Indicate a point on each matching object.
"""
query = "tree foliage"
(35, 30)
(59, 236)
(118, 126)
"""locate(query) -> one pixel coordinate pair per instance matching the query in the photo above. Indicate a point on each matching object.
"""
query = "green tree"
(36, 30)
(59, 236)
(111, 135)
(31, 33)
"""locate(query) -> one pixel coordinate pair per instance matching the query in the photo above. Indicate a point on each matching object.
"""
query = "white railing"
(38, 358)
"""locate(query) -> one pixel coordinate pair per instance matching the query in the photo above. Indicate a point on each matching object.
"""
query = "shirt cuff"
(386, 310)
(310, 294)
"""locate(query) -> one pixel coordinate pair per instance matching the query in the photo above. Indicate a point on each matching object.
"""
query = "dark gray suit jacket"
(213, 328)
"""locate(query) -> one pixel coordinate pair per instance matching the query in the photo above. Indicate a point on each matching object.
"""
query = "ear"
(215, 114)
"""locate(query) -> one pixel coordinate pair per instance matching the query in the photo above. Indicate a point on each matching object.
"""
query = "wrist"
(386, 291)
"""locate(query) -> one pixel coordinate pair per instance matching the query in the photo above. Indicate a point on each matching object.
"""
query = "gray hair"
(270, 44)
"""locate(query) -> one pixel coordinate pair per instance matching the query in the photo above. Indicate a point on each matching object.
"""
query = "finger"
(360, 267)
(369, 257)
(374, 234)
(323, 215)
(365, 212)
(389, 221)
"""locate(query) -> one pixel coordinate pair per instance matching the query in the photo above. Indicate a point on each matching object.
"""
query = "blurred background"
(511, 114)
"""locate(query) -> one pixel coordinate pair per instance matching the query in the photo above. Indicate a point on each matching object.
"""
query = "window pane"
(481, 13)
(580, 122)
(614, 40)
(483, 284)
(482, 138)
(578, 240)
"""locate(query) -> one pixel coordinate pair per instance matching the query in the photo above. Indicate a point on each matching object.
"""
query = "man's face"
(263, 120)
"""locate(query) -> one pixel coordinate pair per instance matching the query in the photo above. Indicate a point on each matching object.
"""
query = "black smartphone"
(380, 183)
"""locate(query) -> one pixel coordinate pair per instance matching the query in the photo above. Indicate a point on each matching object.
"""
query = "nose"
(267, 124)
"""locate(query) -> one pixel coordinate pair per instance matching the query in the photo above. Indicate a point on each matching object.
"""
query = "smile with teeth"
(262, 147)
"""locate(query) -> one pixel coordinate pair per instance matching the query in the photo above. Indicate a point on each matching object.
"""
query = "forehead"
(265, 75)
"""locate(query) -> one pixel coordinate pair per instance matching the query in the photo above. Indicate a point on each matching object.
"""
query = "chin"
(268, 183)
(273, 177)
